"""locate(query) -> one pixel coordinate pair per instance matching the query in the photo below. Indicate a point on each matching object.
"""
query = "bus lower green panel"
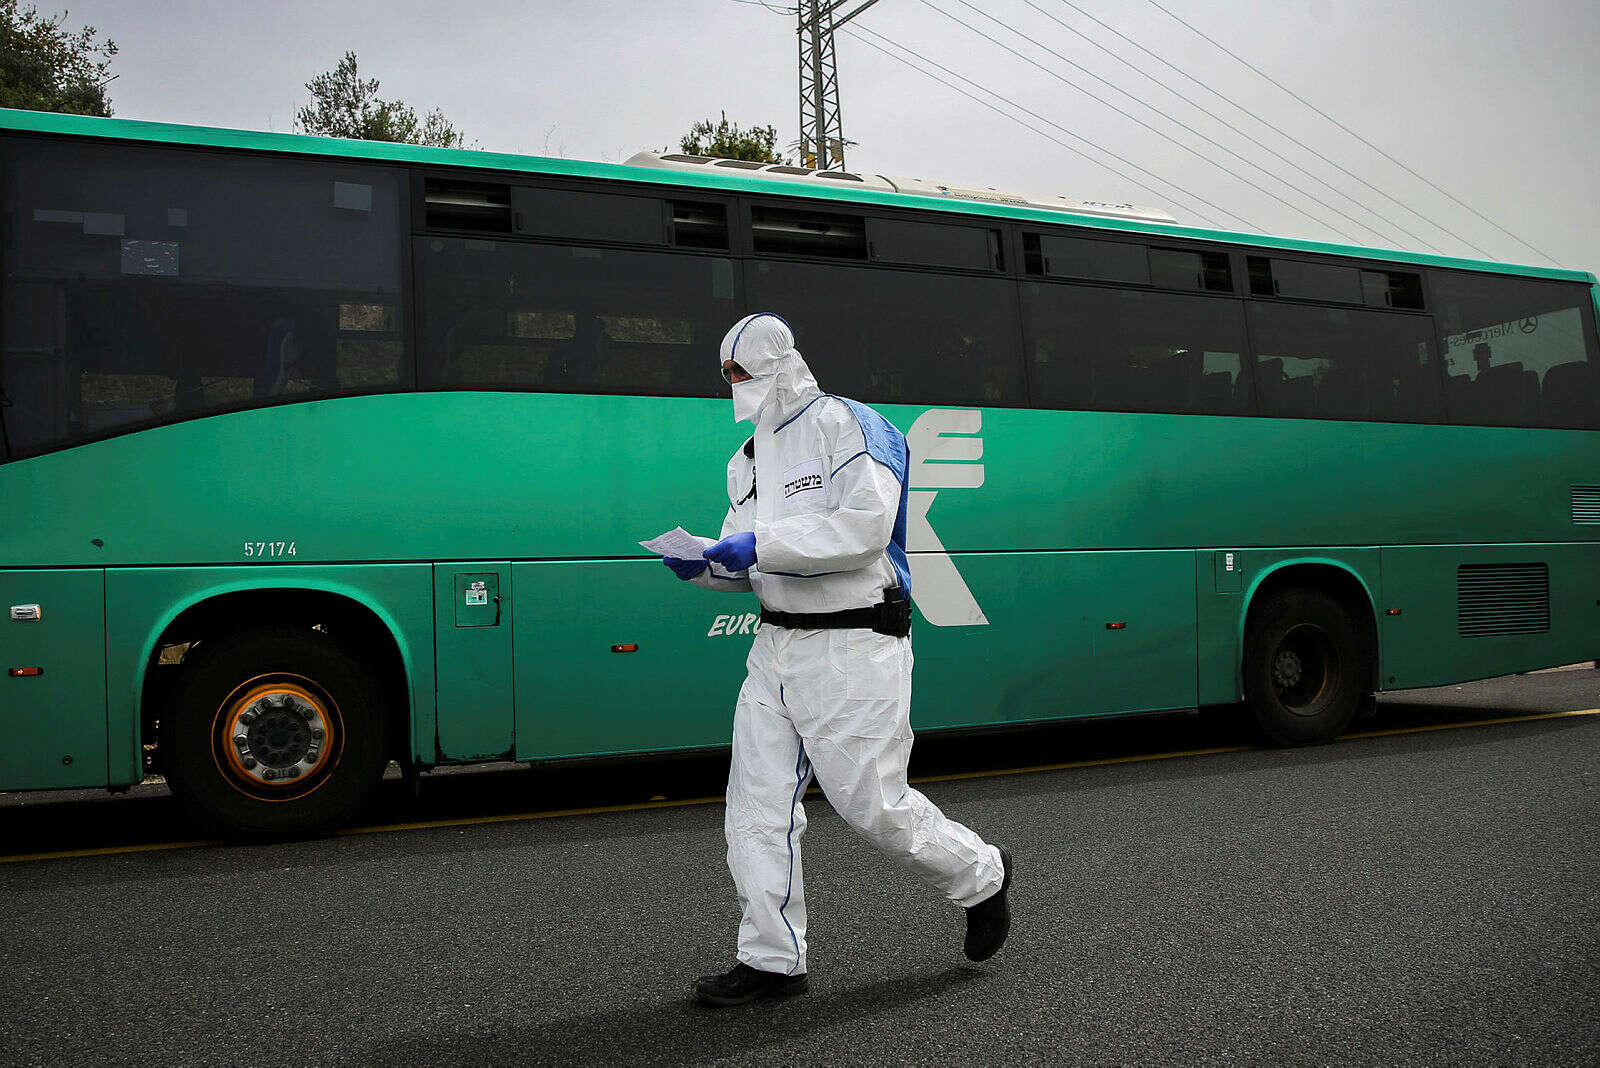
(1046, 652)
(472, 640)
(54, 724)
(1049, 651)
(141, 602)
(1423, 646)
(575, 697)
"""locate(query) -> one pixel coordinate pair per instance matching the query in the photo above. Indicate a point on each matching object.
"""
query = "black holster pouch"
(892, 616)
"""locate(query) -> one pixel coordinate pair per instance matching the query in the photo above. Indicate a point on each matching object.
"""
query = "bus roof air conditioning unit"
(912, 186)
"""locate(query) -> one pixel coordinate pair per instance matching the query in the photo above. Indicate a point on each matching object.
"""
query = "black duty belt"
(891, 617)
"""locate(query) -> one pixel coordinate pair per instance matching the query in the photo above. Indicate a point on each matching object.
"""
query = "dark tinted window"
(1176, 268)
(1131, 350)
(572, 320)
(453, 204)
(807, 233)
(934, 244)
(1344, 363)
(143, 284)
(585, 216)
(1392, 289)
(1273, 277)
(1078, 257)
(1519, 352)
(696, 225)
(878, 334)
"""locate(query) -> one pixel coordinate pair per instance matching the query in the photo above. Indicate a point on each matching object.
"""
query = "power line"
(1281, 132)
(1011, 103)
(1031, 129)
(1207, 111)
(1358, 137)
(1127, 115)
(1207, 139)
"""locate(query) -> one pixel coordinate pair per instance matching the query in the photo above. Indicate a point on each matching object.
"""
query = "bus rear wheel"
(1305, 667)
(273, 731)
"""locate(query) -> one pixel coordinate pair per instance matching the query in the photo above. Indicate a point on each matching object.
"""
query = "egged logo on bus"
(945, 455)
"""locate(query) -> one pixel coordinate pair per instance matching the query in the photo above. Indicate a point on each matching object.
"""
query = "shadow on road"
(677, 1032)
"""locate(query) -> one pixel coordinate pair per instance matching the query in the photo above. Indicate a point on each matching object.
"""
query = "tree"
(45, 68)
(342, 105)
(726, 141)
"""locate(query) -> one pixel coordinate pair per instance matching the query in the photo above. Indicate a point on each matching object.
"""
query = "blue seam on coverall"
(848, 462)
(797, 415)
(758, 315)
(788, 890)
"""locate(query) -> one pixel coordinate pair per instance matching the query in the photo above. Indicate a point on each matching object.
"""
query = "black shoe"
(989, 921)
(744, 983)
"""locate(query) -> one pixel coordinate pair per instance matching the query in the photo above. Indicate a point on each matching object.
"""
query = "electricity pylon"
(821, 134)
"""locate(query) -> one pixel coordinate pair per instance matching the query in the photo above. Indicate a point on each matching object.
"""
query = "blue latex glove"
(684, 569)
(736, 552)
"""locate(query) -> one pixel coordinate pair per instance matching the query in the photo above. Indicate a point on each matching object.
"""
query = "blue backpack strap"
(887, 445)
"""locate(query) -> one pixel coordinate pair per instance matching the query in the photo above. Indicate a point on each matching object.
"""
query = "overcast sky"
(1497, 103)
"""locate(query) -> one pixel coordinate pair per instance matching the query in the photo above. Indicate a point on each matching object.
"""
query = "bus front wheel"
(273, 731)
(1305, 667)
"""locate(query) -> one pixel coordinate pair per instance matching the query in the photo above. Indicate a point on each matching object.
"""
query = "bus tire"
(1305, 667)
(273, 731)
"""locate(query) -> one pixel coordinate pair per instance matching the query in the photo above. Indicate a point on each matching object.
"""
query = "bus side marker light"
(1116, 626)
(26, 673)
(625, 648)
(1392, 612)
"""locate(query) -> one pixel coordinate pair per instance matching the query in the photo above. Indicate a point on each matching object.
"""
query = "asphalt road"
(1428, 897)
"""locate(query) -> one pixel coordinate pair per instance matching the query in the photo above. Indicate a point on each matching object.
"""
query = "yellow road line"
(997, 772)
(512, 817)
(149, 847)
(1473, 723)
(597, 810)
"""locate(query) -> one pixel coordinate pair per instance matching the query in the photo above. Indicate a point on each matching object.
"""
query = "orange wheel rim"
(277, 737)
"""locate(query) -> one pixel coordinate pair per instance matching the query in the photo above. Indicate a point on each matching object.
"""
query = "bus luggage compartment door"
(472, 635)
(53, 695)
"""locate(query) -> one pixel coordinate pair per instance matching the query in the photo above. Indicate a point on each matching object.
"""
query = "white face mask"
(750, 397)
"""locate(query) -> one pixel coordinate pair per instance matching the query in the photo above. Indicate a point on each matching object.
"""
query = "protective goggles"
(728, 372)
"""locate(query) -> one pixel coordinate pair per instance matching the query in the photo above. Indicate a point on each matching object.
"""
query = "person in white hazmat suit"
(816, 528)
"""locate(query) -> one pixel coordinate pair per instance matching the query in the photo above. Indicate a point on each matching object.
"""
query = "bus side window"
(1344, 363)
(570, 319)
(882, 334)
(183, 282)
(1133, 350)
(1520, 352)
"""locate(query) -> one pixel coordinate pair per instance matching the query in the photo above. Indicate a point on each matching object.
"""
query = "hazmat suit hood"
(763, 345)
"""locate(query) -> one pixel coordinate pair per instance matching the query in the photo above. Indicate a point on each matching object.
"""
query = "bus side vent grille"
(1496, 599)
(1586, 505)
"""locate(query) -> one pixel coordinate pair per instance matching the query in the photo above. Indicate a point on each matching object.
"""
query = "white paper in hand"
(679, 543)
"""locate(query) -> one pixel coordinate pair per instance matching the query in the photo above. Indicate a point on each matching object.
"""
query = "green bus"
(320, 454)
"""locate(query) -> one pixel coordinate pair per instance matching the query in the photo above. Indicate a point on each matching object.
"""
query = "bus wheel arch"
(215, 617)
(1308, 621)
